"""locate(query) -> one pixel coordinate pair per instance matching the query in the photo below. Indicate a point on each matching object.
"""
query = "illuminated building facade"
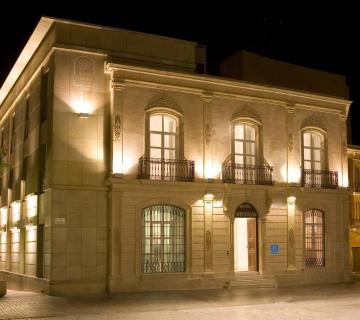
(354, 182)
(128, 169)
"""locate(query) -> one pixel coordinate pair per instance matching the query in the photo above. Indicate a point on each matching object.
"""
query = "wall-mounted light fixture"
(81, 103)
(291, 201)
(84, 115)
(208, 197)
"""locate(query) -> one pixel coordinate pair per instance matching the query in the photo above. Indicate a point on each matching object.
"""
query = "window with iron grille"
(314, 238)
(163, 239)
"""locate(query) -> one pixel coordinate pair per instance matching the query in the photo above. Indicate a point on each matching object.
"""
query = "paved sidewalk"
(308, 302)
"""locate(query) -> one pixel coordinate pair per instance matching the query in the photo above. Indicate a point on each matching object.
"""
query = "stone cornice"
(226, 88)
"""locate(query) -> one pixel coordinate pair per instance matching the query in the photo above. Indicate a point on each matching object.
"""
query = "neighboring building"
(128, 170)
(354, 181)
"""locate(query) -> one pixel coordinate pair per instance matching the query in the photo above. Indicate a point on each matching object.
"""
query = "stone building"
(354, 182)
(126, 168)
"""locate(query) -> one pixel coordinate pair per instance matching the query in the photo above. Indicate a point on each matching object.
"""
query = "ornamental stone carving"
(247, 112)
(117, 127)
(290, 142)
(164, 102)
(84, 72)
(313, 121)
(208, 135)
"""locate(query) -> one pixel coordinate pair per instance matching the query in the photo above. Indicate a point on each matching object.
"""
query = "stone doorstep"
(2, 288)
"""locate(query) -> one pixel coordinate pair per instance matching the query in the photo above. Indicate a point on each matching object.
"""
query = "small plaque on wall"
(274, 248)
(59, 220)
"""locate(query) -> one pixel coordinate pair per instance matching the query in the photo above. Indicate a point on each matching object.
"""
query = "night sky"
(324, 39)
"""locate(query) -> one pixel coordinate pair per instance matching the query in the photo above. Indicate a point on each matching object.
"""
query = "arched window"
(246, 164)
(245, 144)
(315, 172)
(313, 150)
(163, 131)
(163, 239)
(314, 238)
(164, 151)
(245, 210)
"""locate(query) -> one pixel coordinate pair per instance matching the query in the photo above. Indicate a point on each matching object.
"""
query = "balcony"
(319, 179)
(166, 169)
(246, 174)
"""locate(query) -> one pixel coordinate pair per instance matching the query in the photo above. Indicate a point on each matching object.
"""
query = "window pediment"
(164, 104)
(246, 114)
(313, 122)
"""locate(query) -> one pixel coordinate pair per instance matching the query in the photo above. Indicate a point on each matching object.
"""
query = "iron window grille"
(314, 238)
(163, 239)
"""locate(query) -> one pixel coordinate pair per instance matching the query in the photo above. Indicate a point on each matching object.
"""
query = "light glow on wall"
(290, 175)
(117, 165)
(15, 211)
(294, 175)
(199, 168)
(129, 162)
(218, 204)
(15, 215)
(345, 180)
(212, 171)
(31, 206)
(82, 104)
(283, 172)
(291, 202)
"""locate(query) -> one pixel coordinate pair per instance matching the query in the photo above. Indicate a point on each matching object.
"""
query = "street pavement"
(340, 301)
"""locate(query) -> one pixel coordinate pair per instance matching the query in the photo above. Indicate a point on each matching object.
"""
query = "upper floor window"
(313, 151)
(163, 130)
(315, 172)
(245, 144)
(164, 152)
(246, 165)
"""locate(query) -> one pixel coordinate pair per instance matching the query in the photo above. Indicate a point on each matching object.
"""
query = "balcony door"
(163, 132)
(245, 157)
(313, 151)
(313, 158)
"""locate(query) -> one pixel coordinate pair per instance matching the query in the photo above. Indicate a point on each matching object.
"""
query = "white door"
(241, 261)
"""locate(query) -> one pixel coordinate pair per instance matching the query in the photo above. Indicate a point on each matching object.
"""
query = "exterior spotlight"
(208, 197)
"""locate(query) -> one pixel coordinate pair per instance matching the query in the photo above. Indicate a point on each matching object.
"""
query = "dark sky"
(325, 38)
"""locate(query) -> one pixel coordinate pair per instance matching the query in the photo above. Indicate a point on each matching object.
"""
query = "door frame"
(238, 214)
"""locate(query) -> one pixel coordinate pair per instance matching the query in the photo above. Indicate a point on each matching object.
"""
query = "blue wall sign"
(274, 248)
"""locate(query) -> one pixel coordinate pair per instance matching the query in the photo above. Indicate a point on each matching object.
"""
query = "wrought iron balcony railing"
(246, 174)
(319, 179)
(166, 169)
